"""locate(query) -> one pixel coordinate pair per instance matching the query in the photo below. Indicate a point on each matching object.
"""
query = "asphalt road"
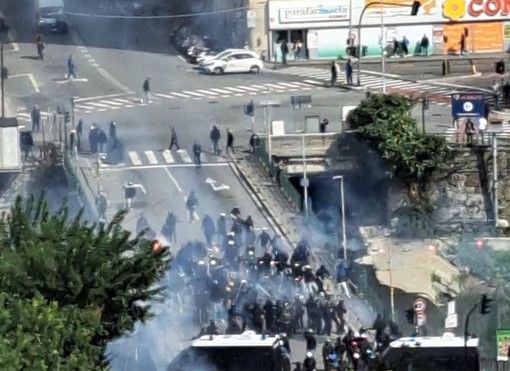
(112, 60)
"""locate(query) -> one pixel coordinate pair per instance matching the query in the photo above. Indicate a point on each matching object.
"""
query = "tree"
(77, 267)
(37, 335)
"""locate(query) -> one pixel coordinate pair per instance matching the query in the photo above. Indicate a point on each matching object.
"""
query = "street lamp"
(344, 237)
(2, 72)
(415, 6)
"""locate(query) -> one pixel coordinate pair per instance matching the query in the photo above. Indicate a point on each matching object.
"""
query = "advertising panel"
(475, 10)
(503, 344)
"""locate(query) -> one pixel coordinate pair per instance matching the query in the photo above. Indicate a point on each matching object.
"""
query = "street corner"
(21, 85)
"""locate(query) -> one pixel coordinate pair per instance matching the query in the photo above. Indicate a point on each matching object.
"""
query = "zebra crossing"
(123, 101)
(166, 158)
(437, 93)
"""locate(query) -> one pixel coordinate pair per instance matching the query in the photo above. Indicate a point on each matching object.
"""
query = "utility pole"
(495, 177)
(383, 44)
(305, 177)
(2, 78)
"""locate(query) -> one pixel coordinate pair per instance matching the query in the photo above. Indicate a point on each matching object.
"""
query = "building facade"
(320, 29)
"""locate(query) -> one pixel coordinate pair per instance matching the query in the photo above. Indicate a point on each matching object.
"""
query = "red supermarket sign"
(457, 9)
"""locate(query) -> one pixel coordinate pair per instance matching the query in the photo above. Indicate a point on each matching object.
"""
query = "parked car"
(51, 17)
(245, 61)
(206, 58)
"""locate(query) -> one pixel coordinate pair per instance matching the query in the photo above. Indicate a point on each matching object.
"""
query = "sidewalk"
(291, 222)
(409, 59)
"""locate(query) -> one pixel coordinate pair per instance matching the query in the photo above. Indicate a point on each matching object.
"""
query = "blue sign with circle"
(468, 105)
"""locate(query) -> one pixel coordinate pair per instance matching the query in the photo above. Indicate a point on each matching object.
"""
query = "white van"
(50, 16)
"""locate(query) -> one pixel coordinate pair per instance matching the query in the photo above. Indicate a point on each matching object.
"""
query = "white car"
(205, 58)
(245, 61)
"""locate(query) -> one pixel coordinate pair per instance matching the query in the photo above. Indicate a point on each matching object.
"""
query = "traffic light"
(67, 117)
(485, 304)
(415, 7)
(249, 109)
(480, 244)
(410, 316)
(425, 102)
(5, 73)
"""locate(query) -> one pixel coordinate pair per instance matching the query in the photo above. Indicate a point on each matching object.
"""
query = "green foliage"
(384, 121)
(37, 335)
(73, 269)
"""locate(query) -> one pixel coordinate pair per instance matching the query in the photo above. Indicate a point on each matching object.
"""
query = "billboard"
(468, 105)
(503, 344)
(10, 153)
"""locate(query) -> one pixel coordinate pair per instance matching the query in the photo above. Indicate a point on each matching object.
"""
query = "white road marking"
(180, 95)
(161, 166)
(123, 101)
(95, 65)
(30, 77)
(238, 95)
(101, 110)
(99, 97)
(220, 91)
(151, 156)
(208, 92)
(203, 158)
(87, 55)
(225, 96)
(167, 155)
(84, 49)
(274, 86)
(182, 58)
(288, 84)
(98, 104)
(314, 82)
(193, 93)
(128, 106)
(114, 81)
(260, 87)
(111, 102)
(248, 88)
(164, 96)
(235, 90)
(83, 107)
(174, 181)
(184, 156)
(135, 160)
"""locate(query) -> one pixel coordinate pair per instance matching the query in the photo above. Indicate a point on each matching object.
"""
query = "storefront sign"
(314, 14)
(457, 9)
(468, 105)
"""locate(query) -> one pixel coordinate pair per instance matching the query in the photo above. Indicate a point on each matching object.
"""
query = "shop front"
(325, 29)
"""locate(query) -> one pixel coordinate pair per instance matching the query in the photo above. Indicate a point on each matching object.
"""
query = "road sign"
(421, 319)
(451, 321)
(451, 307)
(468, 105)
(268, 103)
(420, 305)
(304, 182)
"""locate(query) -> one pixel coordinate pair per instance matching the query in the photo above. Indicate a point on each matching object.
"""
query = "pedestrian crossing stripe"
(167, 157)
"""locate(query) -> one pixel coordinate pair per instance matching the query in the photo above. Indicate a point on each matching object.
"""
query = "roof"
(410, 266)
(248, 339)
(445, 341)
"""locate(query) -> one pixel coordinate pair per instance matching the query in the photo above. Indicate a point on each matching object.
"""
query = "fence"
(492, 364)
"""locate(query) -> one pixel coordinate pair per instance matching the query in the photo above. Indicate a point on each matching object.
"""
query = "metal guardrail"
(492, 364)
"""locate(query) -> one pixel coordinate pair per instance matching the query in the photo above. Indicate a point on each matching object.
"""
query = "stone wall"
(461, 193)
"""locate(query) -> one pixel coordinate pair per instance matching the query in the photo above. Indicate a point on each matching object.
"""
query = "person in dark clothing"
(323, 125)
(328, 312)
(71, 68)
(309, 364)
(168, 229)
(327, 348)
(339, 316)
(39, 42)
(470, 132)
(173, 139)
(424, 45)
(208, 229)
(269, 312)
(93, 139)
(264, 238)
(254, 142)
(285, 51)
(215, 139)
(102, 206)
(101, 140)
(462, 43)
(221, 226)
(230, 142)
(311, 341)
(36, 118)
(298, 312)
(334, 73)
(146, 91)
(79, 134)
(212, 329)
(197, 151)
(191, 205)
(339, 348)
(322, 272)
(348, 72)
(379, 325)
